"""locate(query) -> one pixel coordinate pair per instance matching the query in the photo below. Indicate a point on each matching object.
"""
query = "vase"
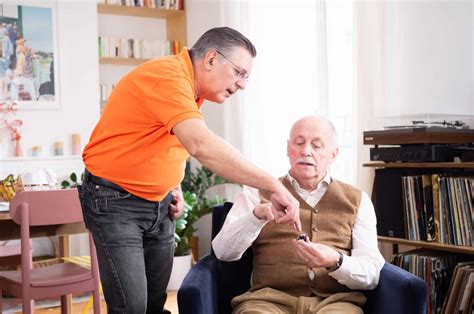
(18, 149)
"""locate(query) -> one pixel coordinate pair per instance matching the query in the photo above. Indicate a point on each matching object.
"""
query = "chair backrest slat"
(51, 207)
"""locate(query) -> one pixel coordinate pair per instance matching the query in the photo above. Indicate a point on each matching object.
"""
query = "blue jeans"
(134, 239)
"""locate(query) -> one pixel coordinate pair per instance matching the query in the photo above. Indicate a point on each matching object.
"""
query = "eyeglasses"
(240, 73)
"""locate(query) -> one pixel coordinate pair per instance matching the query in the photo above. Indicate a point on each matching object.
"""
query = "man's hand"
(316, 254)
(176, 208)
(265, 211)
(287, 208)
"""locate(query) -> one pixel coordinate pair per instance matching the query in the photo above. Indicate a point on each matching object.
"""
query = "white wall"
(424, 61)
(415, 58)
(427, 58)
(78, 91)
(79, 101)
(201, 16)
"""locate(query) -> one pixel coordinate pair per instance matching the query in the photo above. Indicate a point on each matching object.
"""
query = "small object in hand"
(303, 237)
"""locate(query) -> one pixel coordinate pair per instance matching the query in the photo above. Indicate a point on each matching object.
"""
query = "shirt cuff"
(255, 222)
(344, 271)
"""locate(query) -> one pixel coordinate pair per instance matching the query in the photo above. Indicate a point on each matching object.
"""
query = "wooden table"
(9, 230)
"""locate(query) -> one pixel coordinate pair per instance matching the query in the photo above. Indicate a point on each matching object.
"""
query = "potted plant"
(195, 185)
(197, 204)
(72, 182)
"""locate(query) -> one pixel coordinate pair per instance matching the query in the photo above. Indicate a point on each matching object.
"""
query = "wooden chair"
(32, 209)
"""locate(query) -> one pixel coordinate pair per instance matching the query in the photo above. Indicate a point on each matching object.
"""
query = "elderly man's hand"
(287, 208)
(316, 254)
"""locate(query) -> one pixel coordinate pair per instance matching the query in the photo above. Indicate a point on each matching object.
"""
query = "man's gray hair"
(223, 39)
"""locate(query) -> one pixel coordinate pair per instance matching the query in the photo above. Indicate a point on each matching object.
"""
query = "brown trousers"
(268, 300)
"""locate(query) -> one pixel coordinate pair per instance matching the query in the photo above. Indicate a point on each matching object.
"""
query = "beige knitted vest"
(330, 222)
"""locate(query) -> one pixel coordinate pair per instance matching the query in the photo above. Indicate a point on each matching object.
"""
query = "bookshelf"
(429, 245)
(137, 23)
(462, 165)
(399, 189)
(175, 19)
(466, 168)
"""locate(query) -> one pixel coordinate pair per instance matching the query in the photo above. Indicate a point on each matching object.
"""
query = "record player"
(420, 132)
(420, 141)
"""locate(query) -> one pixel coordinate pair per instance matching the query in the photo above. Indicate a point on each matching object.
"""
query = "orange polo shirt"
(132, 144)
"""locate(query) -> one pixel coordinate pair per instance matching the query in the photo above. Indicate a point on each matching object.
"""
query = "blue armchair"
(211, 284)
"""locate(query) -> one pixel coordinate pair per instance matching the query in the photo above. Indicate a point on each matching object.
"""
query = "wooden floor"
(171, 305)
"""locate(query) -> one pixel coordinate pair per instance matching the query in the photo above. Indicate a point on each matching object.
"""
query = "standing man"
(135, 162)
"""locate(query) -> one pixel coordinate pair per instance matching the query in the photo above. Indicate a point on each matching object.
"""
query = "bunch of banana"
(9, 187)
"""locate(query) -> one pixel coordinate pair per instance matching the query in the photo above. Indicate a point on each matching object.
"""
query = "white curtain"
(304, 66)
(284, 82)
(415, 61)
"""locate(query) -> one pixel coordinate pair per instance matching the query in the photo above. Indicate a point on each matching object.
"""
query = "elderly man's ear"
(334, 154)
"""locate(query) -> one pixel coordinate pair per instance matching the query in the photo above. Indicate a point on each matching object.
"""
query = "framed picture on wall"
(28, 55)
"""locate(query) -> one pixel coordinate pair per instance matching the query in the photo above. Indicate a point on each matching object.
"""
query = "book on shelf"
(414, 207)
(153, 4)
(428, 208)
(105, 91)
(436, 212)
(435, 267)
(467, 301)
(438, 207)
(419, 207)
(460, 292)
(407, 209)
(115, 47)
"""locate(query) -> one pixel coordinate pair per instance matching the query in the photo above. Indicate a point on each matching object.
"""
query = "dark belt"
(102, 182)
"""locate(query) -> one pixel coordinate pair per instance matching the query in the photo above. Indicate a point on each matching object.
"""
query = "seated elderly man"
(319, 271)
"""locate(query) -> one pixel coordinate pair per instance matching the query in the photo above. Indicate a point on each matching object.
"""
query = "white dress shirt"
(361, 270)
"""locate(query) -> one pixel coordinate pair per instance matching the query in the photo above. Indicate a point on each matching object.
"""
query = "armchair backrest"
(233, 277)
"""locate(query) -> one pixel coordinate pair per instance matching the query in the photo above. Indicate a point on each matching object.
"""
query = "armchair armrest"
(398, 292)
(198, 292)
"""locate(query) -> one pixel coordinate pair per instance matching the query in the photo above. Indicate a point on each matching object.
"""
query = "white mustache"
(303, 160)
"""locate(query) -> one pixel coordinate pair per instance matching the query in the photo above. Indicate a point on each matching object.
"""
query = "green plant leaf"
(65, 184)
(73, 181)
(197, 204)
